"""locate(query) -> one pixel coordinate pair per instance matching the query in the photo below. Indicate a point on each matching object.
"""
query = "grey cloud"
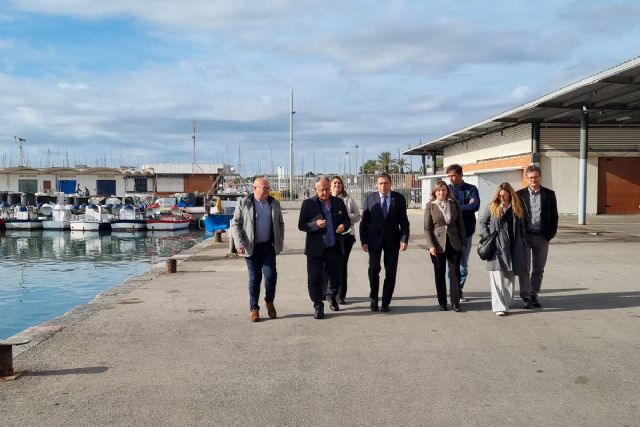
(440, 47)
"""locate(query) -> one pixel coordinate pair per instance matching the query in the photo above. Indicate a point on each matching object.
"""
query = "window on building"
(140, 185)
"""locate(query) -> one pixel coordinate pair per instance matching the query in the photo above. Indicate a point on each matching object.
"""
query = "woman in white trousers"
(505, 214)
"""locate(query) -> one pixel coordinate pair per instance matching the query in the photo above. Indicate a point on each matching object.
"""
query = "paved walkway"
(179, 349)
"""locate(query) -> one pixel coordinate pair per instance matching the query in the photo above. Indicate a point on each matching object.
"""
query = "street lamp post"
(291, 168)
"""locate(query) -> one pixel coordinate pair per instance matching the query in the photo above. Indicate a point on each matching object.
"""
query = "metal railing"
(357, 186)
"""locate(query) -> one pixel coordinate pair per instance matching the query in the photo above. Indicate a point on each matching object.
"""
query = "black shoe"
(456, 308)
(318, 313)
(462, 298)
(535, 302)
(343, 302)
(334, 305)
(374, 304)
(443, 308)
(385, 308)
(526, 303)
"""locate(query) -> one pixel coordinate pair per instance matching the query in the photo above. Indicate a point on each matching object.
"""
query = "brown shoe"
(254, 316)
(271, 309)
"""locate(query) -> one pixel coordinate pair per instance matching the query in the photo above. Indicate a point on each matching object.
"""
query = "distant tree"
(401, 165)
(384, 162)
(369, 167)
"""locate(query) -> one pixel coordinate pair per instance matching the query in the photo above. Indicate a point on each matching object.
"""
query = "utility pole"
(291, 168)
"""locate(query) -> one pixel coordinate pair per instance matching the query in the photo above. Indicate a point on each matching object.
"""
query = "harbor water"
(44, 274)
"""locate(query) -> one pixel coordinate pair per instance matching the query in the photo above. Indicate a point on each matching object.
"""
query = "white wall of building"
(510, 142)
(560, 172)
(172, 184)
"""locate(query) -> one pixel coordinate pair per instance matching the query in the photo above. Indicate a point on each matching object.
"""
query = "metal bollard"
(172, 265)
(6, 358)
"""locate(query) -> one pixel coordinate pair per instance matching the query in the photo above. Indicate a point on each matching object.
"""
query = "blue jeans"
(464, 262)
(263, 260)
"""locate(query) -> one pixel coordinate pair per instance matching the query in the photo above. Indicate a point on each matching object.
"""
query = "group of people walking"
(524, 223)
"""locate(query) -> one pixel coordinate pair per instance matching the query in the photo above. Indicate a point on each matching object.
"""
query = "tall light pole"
(21, 141)
(348, 162)
(291, 169)
(357, 146)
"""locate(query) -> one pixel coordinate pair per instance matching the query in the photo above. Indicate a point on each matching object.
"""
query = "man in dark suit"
(324, 218)
(541, 211)
(384, 228)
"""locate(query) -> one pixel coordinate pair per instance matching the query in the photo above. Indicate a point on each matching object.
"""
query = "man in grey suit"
(384, 228)
(258, 233)
(541, 210)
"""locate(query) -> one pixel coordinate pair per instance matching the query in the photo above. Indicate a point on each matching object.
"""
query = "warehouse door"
(106, 187)
(67, 186)
(619, 185)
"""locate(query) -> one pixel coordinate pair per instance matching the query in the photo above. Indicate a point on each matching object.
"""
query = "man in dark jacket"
(541, 211)
(324, 218)
(384, 228)
(468, 198)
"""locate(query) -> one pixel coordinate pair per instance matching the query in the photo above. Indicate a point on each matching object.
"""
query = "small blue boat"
(216, 222)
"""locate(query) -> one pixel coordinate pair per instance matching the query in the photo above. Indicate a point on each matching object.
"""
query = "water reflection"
(46, 273)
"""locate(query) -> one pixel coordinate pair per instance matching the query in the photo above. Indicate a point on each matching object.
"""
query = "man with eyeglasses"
(541, 210)
(468, 198)
(258, 233)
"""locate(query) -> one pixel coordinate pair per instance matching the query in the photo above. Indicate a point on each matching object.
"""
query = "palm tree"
(385, 162)
(401, 164)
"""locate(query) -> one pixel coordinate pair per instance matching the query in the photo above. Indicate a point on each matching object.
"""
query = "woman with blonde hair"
(505, 214)
(445, 234)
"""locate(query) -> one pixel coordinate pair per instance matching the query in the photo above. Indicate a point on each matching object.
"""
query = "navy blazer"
(311, 211)
(549, 214)
(378, 232)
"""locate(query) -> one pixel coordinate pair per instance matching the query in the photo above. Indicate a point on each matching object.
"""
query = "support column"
(535, 143)
(582, 177)
(433, 162)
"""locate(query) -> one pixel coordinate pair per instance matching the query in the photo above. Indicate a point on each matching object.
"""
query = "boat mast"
(194, 141)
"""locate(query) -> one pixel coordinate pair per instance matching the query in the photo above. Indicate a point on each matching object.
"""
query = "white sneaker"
(500, 313)
(462, 298)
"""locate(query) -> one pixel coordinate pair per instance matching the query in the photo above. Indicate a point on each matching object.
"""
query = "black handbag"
(487, 245)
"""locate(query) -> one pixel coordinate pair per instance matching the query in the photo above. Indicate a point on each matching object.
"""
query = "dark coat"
(375, 230)
(549, 214)
(436, 230)
(509, 254)
(311, 211)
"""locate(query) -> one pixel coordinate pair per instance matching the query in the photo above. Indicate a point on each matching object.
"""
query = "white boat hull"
(167, 225)
(90, 226)
(22, 224)
(129, 225)
(56, 225)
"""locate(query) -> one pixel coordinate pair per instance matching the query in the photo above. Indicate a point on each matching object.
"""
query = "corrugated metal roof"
(611, 97)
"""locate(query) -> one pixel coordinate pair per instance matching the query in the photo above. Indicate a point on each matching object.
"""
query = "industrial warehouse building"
(585, 137)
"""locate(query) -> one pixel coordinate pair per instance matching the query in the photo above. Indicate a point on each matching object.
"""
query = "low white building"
(585, 137)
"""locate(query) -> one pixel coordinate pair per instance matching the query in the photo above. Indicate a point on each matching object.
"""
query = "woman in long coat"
(505, 214)
(445, 234)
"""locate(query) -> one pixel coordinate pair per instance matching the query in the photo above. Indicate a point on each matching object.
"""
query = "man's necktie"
(385, 206)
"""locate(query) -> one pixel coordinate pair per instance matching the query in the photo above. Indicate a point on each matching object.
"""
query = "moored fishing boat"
(128, 218)
(22, 218)
(169, 221)
(57, 217)
(94, 218)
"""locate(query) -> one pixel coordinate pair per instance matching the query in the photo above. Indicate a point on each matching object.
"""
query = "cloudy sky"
(120, 81)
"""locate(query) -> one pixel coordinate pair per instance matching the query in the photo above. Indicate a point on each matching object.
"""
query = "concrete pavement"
(179, 349)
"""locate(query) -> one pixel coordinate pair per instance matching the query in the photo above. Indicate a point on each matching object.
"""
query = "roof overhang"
(611, 97)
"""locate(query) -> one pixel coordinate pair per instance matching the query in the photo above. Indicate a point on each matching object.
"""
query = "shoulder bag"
(487, 245)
